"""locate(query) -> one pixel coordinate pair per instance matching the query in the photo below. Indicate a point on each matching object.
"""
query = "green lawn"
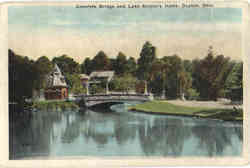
(160, 107)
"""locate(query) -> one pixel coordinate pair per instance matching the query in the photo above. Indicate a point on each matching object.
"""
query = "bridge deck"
(91, 100)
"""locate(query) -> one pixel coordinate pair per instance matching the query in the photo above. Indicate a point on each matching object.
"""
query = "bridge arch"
(92, 100)
(110, 102)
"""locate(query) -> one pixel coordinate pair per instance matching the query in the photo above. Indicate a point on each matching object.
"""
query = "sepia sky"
(35, 31)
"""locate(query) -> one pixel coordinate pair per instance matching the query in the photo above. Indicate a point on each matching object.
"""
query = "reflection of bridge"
(92, 100)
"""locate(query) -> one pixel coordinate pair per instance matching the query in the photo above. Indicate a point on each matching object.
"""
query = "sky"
(35, 31)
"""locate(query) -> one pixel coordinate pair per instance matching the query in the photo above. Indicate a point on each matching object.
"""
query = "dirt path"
(209, 104)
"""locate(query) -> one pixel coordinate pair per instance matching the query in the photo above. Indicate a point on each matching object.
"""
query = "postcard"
(133, 83)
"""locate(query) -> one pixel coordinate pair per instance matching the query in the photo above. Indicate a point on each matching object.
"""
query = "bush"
(192, 94)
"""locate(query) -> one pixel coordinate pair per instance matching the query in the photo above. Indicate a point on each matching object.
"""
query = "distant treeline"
(212, 77)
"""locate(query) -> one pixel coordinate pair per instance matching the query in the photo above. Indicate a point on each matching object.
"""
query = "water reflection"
(163, 137)
(121, 134)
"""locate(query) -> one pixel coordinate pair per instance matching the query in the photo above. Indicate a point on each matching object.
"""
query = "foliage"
(75, 84)
(209, 78)
(212, 73)
(140, 87)
(54, 104)
(192, 94)
(131, 66)
(96, 89)
(234, 85)
(86, 66)
(43, 67)
(176, 80)
(147, 57)
(120, 64)
(22, 76)
(124, 83)
(100, 62)
(67, 64)
(188, 66)
(156, 85)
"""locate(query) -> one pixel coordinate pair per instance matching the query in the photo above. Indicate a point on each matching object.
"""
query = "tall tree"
(157, 76)
(21, 77)
(176, 80)
(101, 62)
(86, 66)
(131, 65)
(212, 72)
(147, 57)
(43, 66)
(188, 66)
(120, 64)
(234, 82)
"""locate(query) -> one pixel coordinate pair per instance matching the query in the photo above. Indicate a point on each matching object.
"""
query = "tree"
(67, 64)
(188, 66)
(43, 67)
(212, 73)
(120, 65)
(112, 62)
(100, 62)
(147, 57)
(185, 82)
(131, 65)
(21, 77)
(157, 77)
(124, 83)
(173, 74)
(97, 89)
(234, 83)
(75, 84)
(86, 66)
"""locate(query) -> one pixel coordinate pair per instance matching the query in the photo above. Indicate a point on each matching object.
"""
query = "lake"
(119, 132)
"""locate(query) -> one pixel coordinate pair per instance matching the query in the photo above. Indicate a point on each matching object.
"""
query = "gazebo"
(56, 85)
(98, 76)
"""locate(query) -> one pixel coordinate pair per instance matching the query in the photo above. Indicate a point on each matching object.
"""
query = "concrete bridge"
(92, 100)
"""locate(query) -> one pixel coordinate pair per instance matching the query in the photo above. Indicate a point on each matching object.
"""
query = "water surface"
(121, 133)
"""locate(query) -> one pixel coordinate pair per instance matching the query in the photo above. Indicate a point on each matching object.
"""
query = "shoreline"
(54, 105)
(167, 108)
(181, 115)
(205, 104)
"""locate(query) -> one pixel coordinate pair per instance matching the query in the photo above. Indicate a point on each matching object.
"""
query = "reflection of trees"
(163, 137)
(90, 128)
(239, 132)
(156, 135)
(213, 139)
(103, 126)
(72, 130)
(30, 133)
(123, 130)
(176, 135)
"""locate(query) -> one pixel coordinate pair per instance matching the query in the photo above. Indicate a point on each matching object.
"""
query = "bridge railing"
(109, 95)
(116, 97)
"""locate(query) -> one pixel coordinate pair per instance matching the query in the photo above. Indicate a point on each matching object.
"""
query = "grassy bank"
(54, 105)
(160, 107)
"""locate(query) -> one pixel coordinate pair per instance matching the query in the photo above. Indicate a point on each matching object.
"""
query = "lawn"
(163, 107)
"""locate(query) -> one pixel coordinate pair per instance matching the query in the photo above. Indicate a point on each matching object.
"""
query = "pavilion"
(99, 76)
